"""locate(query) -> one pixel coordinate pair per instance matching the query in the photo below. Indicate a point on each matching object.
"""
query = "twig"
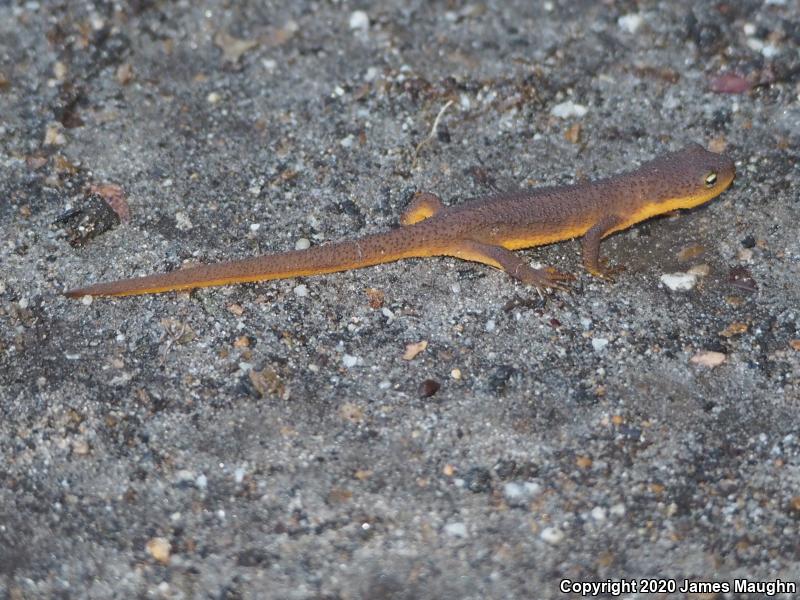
(432, 132)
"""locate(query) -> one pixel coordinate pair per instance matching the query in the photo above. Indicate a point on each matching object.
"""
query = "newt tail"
(484, 230)
(370, 250)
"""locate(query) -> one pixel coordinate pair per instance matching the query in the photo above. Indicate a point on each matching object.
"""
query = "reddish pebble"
(730, 83)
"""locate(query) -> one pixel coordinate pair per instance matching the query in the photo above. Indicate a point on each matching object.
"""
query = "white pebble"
(567, 109)
(599, 344)
(182, 221)
(302, 244)
(515, 492)
(201, 482)
(348, 360)
(183, 476)
(598, 513)
(679, 281)
(552, 535)
(490, 325)
(87, 300)
(371, 74)
(770, 51)
(301, 291)
(456, 529)
(630, 23)
(359, 20)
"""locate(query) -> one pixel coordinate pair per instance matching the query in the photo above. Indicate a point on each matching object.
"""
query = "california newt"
(484, 230)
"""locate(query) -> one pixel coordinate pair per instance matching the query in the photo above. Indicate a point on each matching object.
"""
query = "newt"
(485, 230)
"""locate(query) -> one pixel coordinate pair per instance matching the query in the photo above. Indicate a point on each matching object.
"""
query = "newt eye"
(711, 179)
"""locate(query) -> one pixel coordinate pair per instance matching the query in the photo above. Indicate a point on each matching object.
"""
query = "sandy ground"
(270, 440)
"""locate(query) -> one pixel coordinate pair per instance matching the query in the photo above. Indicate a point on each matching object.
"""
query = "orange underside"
(540, 239)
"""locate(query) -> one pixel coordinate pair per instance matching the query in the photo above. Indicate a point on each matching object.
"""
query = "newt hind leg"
(511, 263)
(423, 206)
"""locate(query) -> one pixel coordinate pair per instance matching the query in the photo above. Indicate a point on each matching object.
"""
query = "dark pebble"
(428, 388)
(478, 480)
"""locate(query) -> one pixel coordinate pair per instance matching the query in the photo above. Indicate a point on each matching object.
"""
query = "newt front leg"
(590, 244)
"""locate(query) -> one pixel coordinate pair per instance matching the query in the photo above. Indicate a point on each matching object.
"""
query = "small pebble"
(517, 492)
(428, 388)
(301, 291)
(598, 513)
(630, 23)
(552, 535)
(80, 447)
(359, 20)
(238, 474)
(599, 344)
(159, 549)
(708, 358)
(183, 475)
(302, 244)
(490, 325)
(87, 300)
(60, 70)
(679, 281)
(53, 135)
(568, 109)
(456, 530)
(182, 221)
(348, 360)
(699, 270)
(412, 350)
(455, 374)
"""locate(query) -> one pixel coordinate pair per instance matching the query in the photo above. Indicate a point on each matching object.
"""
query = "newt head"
(683, 179)
(690, 177)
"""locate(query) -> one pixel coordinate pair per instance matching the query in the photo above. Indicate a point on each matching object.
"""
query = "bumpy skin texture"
(485, 229)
